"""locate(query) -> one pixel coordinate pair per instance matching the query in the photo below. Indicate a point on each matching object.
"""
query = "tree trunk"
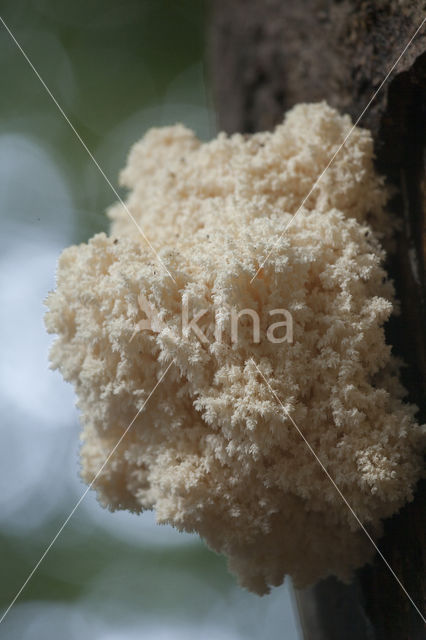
(265, 56)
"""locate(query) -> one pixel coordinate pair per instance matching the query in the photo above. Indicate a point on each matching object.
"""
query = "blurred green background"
(116, 69)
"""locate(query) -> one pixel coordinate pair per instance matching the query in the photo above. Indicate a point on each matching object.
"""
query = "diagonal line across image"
(92, 157)
(170, 364)
(84, 494)
(333, 157)
(339, 492)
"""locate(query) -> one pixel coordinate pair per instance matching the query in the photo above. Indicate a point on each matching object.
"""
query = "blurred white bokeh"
(32, 621)
(40, 431)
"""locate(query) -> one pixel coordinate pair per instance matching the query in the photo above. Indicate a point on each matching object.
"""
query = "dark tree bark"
(267, 55)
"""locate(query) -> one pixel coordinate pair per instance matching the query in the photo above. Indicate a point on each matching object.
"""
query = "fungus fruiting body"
(213, 451)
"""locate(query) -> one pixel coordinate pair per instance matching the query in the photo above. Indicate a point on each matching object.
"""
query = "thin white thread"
(96, 163)
(167, 369)
(64, 524)
(341, 494)
(341, 146)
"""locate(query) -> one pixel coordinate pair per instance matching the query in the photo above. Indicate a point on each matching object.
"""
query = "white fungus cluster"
(213, 451)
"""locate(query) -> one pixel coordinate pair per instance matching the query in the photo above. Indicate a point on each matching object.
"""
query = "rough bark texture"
(267, 55)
